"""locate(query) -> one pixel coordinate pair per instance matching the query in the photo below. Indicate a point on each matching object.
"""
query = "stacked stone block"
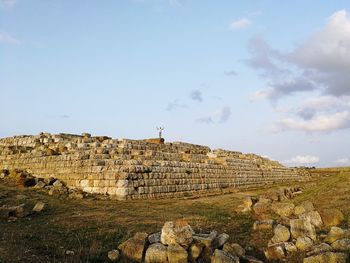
(139, 169)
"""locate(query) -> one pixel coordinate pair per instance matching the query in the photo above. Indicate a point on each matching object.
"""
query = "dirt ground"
(90, 228)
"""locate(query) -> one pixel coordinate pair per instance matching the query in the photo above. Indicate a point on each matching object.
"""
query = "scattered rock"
(331, 217)
(234, 249)
(263, 225)
(304, 207)
(154, 238)
(177, 254)
(220, 240)
(336, 233)
(133, 248)
(302, 228)
(156, 253)
(195, 251)
(250, 259)
(178, 232)
(321, 248)
(313, 216)
(275, 252)
(114, 255)
(281, 234)
(342, 245)
(70, 253)
(329, 257)
(39, 206)
(283, 209)
(262, 207)
(304, 243)
(221, 256)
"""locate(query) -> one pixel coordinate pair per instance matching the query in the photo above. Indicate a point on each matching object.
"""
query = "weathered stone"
(40, 184)
(262, 207)
(313, 216)
(331, 217)
(154, 238)
(337, 233)
(156, 253)
(220, 256)
(39, 206)
(247, 202)
(134, 247)
(263, 225)
(177, 254)
(304, 207)
(58, 184)
(283, 209)
(342, 244)
(281, 234)
(302, 228)
(272, 195)
(321, 248)
(290, 247)
(178, 232)
(304, 243)
(250, 259)
(275, 252)
(113, 255)
(220, 240)
(328, 257)
(194, 251)
(234, 249)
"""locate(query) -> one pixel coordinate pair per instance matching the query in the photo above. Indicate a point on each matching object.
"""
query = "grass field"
(91, 228)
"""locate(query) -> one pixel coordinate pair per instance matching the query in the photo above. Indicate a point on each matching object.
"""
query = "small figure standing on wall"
(160, 129)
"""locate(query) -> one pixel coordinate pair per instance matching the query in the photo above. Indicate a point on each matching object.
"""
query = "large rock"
(342, 245)
(304, 243)
(331, 217)
(195, 251)
(221, 256)
(178, 232)
(154, 238)
(262, 207)
(39, 206)
(177, 254)
(314, 217)
(220, 240)
(113, 255)
(304, 207)
(320, 248)
(283, 209)
(234, 249)
(329, 257)
(302, 228)
(281, 234)
(337, 233)
(134, 247)
(275, 252)
(156, 253)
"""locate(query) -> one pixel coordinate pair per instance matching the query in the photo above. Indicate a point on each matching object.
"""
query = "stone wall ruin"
(139, 169)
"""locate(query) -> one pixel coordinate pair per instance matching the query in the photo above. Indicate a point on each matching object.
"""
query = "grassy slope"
(92, 227)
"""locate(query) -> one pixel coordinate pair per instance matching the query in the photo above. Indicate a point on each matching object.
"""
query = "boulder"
(263, 225)
(220, 240)
(275, 252)
(133, 248)
(40, 184)
(234, 249)
(336, 233)
(262, 207)
(194, 251)
(58, 184)
(154, 238)
(114, 255)
(177, 254)
(329, 257)
(314, 217)
(178, 232)
(342, 245)
(304, 207)
(221, 256)
(156, 253)
(290, 247)
(250, 259)
(281, 234)
(302, 228)
(320, 248)
(331, 217)
(247, 202)
(304, 243)
(283, 209)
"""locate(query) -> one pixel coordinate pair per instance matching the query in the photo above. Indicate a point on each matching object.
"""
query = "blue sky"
(255, 76)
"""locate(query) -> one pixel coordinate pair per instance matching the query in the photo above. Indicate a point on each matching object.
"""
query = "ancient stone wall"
(137, 169)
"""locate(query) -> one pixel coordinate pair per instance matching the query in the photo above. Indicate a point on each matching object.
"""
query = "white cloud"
(343, 161)
(241, 23)
(8, 3)
(196, 95)
(222, 115)
(8, 39)
(320, 123)
(302, 160)
(318, 67)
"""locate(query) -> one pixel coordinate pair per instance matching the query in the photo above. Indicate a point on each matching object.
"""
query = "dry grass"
(90, 228)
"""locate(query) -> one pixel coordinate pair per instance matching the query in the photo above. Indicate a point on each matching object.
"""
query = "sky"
(265, 77)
